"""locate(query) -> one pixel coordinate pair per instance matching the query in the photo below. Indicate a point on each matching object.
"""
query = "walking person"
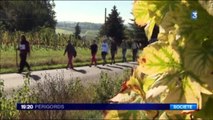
(71, 52)
(104, 52)
(94, 49)
(24, 49)
(134, 51)
(113, 50)
(124, 47)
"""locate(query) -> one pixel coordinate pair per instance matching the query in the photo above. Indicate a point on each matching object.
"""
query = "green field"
(60, 30)
(46, 58)
(90, 34)
(41, 59)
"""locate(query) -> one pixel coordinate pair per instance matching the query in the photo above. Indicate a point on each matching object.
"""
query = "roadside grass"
(42, 59)
(54, 89)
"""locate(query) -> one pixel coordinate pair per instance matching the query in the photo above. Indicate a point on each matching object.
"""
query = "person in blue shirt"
(104, 51)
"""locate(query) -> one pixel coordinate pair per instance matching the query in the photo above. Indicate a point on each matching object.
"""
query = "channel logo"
(194, 15)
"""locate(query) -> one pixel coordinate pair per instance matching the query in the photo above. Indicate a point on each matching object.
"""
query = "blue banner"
(183, 107)
(99, 106)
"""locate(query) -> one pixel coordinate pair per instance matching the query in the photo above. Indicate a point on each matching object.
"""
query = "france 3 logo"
(194, 15)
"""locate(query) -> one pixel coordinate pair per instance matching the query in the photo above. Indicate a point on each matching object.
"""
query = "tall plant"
(114, 26)
(178, 68)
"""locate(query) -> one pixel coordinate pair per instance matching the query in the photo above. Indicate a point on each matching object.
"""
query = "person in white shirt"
(24, 49)
(104, 51)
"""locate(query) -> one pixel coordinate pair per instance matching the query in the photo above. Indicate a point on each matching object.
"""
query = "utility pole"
(105, 16)
(105, 21)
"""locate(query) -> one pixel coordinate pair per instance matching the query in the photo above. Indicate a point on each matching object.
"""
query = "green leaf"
(206, 111)
(198, 60)
(144, 11)
(156, 91)
(127, 96)
(208, 82)
(147, 83)
(149, 28)
(122, 115)
(159, 58)
(141, 13)
(207, 5)
(162, 84)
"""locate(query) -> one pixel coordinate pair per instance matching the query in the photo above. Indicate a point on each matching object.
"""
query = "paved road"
(85, 74)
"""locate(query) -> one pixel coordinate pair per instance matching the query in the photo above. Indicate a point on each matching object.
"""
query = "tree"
(27, 15)
(77, 31)
(114, 27)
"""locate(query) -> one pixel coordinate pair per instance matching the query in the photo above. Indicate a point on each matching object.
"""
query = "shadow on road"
(35, 77)
(134, 63)
(114, 66)
(104, 68)
(124, 65)
(81, 71)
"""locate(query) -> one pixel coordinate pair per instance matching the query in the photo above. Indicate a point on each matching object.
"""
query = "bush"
(54, 89)
(8, 103)
(108, 86)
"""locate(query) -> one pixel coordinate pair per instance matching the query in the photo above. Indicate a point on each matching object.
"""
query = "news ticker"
(98, 106)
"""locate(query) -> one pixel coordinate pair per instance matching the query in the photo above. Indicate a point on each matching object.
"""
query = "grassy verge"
(42, 59)
(55, 90)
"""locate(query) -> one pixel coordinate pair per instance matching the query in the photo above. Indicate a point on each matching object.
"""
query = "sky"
(91, 11)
